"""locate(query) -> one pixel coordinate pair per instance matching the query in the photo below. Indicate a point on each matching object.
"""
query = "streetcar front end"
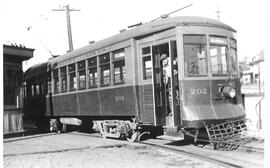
(210, 86)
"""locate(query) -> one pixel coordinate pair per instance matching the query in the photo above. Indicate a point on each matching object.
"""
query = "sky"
(100, 19)
(34, 24)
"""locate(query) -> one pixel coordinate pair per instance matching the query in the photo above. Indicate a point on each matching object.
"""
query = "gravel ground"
(75, 150)
(78, 151)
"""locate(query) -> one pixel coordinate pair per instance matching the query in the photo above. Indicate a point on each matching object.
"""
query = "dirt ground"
(74, 150)
(79, 151)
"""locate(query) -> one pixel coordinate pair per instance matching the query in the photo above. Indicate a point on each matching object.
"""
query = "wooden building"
(13, 56)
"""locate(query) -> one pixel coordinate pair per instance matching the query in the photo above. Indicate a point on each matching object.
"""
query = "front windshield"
(195, 55)
(222, 55)
(219, 55)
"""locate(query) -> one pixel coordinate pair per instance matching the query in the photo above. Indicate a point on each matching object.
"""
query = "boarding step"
(172, 133)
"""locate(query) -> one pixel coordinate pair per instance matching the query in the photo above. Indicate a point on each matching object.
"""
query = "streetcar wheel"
(43, 124)
(134, 137)
(103, 134)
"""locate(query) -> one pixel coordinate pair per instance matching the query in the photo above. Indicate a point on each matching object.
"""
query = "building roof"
(18, 51)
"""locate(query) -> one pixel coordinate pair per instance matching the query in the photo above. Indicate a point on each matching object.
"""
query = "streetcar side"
(177, 73)
(36, 87)
(99, 84)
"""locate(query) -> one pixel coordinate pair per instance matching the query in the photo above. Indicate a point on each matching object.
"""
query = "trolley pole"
(66, 8)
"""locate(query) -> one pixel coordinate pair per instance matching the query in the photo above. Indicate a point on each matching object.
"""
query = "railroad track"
(28, 136)
(206, 153)
(192, 154)
(219, 158)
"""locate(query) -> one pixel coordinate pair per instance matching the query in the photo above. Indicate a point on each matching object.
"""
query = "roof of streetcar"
(35, 70)
(144, 29)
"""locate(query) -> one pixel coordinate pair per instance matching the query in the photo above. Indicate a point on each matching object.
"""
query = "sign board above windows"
(105, 58)
(119, 54)
(81, 65)
(218, 40)
(92, 62)
(194, 39)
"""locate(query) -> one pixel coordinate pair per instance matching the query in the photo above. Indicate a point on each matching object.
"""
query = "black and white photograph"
(135, 84)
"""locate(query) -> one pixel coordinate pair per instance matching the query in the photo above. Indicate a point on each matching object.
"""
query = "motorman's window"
(195, 55)
(82, 74)
(43, 84)
(147, 63)
(24, 90)
(218, 55)
(105, 73)
(49, 83)
(92, 72)
(63, 78)
(119, 66)
(72, 77)
(33, 92)
(56, 81)
(28, 89)
(233, 56)
(37, 86)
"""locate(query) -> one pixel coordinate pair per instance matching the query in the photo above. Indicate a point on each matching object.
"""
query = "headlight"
(232, 92)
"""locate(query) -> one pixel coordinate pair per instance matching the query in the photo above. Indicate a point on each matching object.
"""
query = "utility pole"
(66, 8)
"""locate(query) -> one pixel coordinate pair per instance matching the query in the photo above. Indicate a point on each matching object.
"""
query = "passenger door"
(158, 91)
(166, 96)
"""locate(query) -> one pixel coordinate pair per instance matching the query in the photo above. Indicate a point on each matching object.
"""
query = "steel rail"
(25, 137)
(196, 155)
(200, 155)
(65, 150)
(164, 147)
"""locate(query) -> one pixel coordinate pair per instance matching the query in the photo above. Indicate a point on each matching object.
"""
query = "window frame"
(56, 83)
(104, 65)
(72, 82)
(233, 47)
(81, 69)
(49, 82)
(119, 60)
(215, 44)
(147, 57)
(92, 66)
(63, 74)
(201, 43)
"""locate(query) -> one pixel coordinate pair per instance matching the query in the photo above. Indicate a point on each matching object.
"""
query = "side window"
(43, 87)
(33, 91)
(218, 55)
(119, 66)
(233, 56)
(92, 72)
(105, 72)
(147, 63)
(82, 74)
(63, 78)
(195, 55)
(49, 82)
(37, 86)
(24, 90)
(72, 77)
(28, 89)
(56, 81)
(32, 87)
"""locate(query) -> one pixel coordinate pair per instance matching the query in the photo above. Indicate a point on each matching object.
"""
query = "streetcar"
(177, 73)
